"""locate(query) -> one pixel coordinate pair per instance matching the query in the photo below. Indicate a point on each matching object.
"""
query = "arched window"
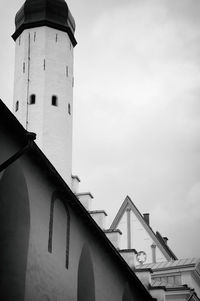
(32, 99)
(17, 106)
(14, 232)
(59, 229)
(86, 281)
(54, 100)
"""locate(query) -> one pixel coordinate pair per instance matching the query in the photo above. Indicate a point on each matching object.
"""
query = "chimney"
(165, 239)
(144, 276)
(114, 237)
(146, 218)
(86, 199)
(100, 217)
(129, 256)
(75, 184)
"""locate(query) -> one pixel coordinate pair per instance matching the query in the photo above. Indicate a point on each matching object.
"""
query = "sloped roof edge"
(10, 120)
(161, 244)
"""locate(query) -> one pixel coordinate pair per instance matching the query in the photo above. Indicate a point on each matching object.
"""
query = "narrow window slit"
(69, 109)
(32, 100)
(54, 100)
(17, 106)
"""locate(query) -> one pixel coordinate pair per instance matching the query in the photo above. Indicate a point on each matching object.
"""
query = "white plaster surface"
(75, 185)
(47, 276)
(140, 238)
(86, 201)
(52, 124)
(114, 238)
(100, 219)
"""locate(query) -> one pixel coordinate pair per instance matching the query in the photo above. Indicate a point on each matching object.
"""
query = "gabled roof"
(128, 204)
(9, 122)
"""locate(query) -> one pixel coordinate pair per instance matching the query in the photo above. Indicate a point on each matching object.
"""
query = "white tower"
(43, 82)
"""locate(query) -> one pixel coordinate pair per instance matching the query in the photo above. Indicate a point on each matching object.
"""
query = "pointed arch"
(14, 233)
(86, 281)
(58, 197)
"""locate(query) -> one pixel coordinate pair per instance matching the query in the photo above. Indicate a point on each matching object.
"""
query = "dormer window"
(32, 99)
(54, 101)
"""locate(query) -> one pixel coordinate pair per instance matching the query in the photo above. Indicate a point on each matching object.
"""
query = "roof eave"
(47, 23)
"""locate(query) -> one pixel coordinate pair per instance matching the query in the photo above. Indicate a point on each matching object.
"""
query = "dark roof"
(84, 193)
(169, 265)
(52, 13)
(76, 177)
(98, 211)
(112, 231)
(163, 242)
(8, 120)
(127, 251)
(131, 206)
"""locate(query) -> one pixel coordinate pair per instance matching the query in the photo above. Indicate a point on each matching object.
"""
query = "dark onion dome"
(51, 13)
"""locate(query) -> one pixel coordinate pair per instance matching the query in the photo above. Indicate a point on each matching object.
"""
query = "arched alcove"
(14, 233)
(59, 229)
(86, 281)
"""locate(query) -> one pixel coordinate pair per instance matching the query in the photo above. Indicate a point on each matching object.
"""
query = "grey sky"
(136, 111)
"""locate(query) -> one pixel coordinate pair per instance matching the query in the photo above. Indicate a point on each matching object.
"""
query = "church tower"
(43, 81)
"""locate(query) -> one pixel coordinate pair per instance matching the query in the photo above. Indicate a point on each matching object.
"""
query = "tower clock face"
(141, 257)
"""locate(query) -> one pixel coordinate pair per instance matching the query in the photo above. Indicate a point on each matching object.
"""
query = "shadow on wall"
(14, 233)
(86, 283)
(127, 296)
(59, 216)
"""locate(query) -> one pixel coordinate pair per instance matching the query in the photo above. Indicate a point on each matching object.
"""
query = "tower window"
(17, 106)
(69, 109)
(56, 37)
(54, 101)
(34, 38)
(23, 67)
(67, 71)
(19, 40)
(32, 99)
(44, 64)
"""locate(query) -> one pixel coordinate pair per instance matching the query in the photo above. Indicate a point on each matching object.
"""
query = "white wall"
(140, 238)
(45, 75)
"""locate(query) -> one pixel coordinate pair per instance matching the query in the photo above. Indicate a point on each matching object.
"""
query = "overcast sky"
(136, 108)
